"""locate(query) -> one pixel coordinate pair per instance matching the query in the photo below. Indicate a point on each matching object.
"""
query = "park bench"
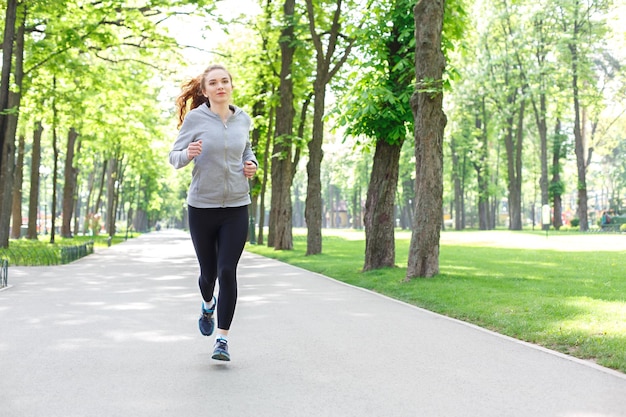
(611, 227)
(615, 224)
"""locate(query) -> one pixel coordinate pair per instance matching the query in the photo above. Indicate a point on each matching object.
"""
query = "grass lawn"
(41, 252)
(570, 301)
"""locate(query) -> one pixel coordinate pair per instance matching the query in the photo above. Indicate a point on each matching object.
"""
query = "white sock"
(210, 305)
(224, 337)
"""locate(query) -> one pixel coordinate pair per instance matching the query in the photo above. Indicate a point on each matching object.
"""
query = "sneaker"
(206, 322)
(220, 352)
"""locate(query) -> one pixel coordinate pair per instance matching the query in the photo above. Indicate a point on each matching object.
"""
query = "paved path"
(115, 334)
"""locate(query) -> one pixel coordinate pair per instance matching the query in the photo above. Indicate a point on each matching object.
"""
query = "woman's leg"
(231, 241)
(203, 230)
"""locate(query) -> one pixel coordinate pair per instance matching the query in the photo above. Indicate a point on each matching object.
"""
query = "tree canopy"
(533, 94)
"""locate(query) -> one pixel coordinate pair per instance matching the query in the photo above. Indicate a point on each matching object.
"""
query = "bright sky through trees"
(204, 35)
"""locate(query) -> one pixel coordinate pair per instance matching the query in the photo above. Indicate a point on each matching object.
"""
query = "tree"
(282, 164)
(541, 79)
(326, 45)
(430, 121)
(60, 38)
(33, 200)
(378, 107)
(9, 103)
(16, 210)
(507, 93)
(556, 184)
(7, 56)
(69, 184)
(581, 26)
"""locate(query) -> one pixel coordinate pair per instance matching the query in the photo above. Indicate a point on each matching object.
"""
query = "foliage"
(102, 66)
(112, 67)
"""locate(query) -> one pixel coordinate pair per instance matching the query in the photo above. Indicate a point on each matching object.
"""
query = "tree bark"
(98, 202)
(481, 166)
(33, 200)
(579, 144)
(90, 189)
(268, 144)
(7, 56)
(55, 166)
(325, 69)
(280, 235)
(513, 144)
(542, 127)
(7, 176)
(379, 207)
(458, 170)
(313, 206)
(556, 186)
(16, 210)
(430, 122)
(69, 184)
(8, 120)
(111, 195)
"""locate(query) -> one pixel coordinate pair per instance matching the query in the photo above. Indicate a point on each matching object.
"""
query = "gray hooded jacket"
(217, 177)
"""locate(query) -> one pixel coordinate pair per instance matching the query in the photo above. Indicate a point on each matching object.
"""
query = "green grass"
(572, 302)
(40, 252)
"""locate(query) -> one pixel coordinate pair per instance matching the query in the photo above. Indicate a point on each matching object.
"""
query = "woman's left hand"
(249, 169)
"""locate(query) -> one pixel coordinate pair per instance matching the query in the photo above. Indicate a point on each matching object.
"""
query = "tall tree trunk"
(313, 206)
(556, 185)
(98, 202)
(323, 75)
(91, 179)
(379, 216)
(430, 122)
(481, 166)
(109, 222)
(281, 236)
(55, 163)
(77, 209)
(542, 128)
(408, 189)
(513, 144)
(579, 144)
(7, 177)
(484, 208)
(379, 207)
(266, 170)
(458, 170)
(16, 211)
(8, 122)
(34, 209)
(69, 184)
(7, 56)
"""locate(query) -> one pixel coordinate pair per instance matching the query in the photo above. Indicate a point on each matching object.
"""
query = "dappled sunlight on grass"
(596, 316)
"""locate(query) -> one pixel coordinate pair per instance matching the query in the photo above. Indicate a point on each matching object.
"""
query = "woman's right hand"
(194, 149)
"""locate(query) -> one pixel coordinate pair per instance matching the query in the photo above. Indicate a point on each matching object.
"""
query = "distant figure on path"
(214, 134)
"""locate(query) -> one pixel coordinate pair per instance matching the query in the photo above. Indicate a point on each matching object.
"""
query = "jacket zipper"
(225, 165)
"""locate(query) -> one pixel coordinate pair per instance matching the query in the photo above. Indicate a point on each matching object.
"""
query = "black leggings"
(219, 236)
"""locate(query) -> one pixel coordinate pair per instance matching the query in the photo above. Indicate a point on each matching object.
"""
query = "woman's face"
(217, 87)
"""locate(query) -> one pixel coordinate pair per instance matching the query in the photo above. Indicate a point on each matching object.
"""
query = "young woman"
(214, 134)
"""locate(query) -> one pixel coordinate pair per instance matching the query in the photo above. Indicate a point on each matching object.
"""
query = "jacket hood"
(207, 110)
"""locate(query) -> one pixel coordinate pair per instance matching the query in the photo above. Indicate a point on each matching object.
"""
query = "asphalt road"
(115, 334)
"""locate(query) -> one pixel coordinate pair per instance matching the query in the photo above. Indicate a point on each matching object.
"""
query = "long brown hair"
(191, 93)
